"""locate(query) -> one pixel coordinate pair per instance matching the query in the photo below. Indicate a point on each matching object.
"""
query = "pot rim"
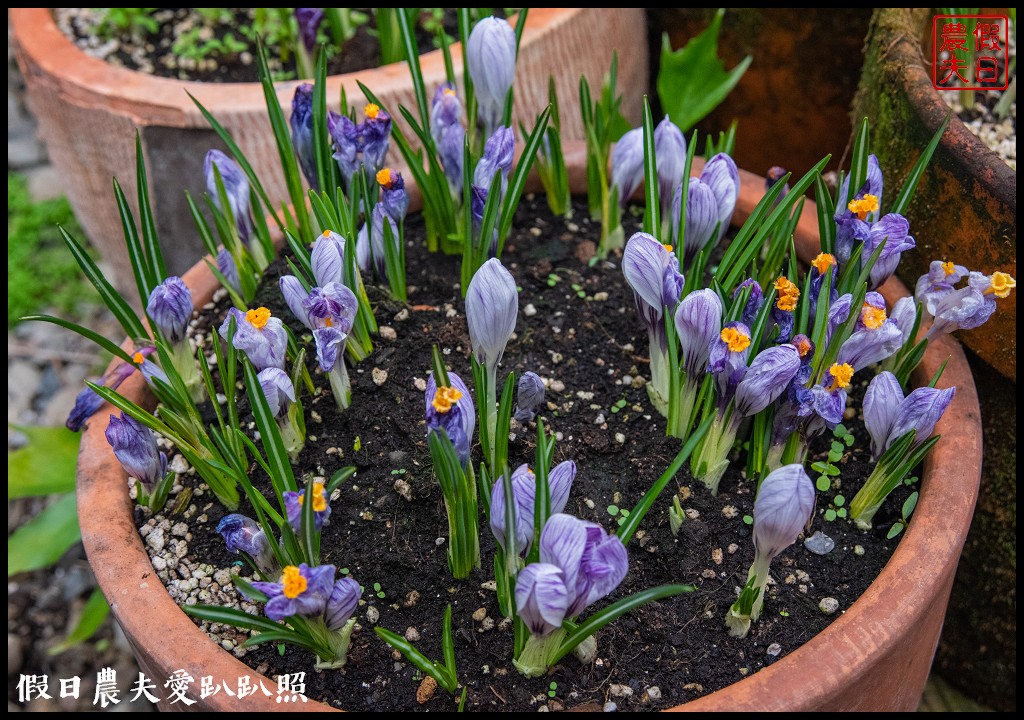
(813, 676)
(150, 99)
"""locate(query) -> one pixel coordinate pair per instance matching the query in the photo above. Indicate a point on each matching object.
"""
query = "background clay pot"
(86, 108)
(792, 102)
(875, 657)
(965, 209)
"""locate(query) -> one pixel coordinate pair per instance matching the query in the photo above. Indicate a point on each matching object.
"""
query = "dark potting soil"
(577, 326)
(153, 53)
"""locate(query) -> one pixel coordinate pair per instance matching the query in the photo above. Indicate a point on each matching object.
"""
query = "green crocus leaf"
(46, 465)
(45, 538)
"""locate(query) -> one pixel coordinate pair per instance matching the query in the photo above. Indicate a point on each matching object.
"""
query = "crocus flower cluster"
(491, 57)
(579, 564)
(961, 308)
(360, 145)
(785, 500)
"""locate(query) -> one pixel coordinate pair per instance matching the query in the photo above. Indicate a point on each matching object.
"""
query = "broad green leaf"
(46, 466)
(95, 612)
(693, 81)
(45, 538)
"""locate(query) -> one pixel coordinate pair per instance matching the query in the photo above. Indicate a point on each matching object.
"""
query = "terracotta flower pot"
(87, 107)
(965, 207)
(875, 657)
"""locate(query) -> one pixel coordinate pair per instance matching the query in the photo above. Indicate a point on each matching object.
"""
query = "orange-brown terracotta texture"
(88, 111)
(875, 657)
(965, 207)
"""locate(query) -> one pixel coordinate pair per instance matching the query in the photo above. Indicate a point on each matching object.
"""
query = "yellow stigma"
(735, 339)
(841, 376)
(292, 582)
(1002, 284)
(371, 111)
(258, 317)
(823, 262)
(803, 346)
(873, 317)
(319, 497)
(867, 204)
(450, 92)
(384, 178)
(138, 358)
(444, 397)
(667, 247)
(328, 322)
(949, 268)
(789, 293)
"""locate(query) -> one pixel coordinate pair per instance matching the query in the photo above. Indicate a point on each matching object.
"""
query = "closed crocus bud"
(698, 323)
(904, 315)
(302, 590)
(499, 151)
(895, 231)
(592, 561)
(524, 491)
(492, 306)
(342, 604)
(244, 535)
(530, 396)
(451, 150)
(309, 20)
(628, 164)
(278, 389)
(773, 176)
(375, 133)
(445, 109)
(170, 308)
(721, 174)
(135, 448)
(392, 194)
(919, 411)
(754, 300)
(670, 151)
(226, 266)
(294, 294)
(542, 598)
(701, 217)
(377, 260)
(302, 132)
(766, 379)
(259, 335)
(327, 258)
(652, 272)
(881, 401)
(345, 135)
(451, 409)
(448, 133)
(236, 187)
(293, 502)
(330, 347)
(491, 57)
(782, 508)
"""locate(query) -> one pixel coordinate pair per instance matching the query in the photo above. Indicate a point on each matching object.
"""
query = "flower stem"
(537, 654)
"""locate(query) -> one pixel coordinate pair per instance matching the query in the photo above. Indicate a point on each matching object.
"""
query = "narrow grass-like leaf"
(652, 219)
(518, 180)
(910, 183)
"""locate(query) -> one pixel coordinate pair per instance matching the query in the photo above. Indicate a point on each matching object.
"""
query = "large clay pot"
(965, 207)
(875, 657)
(87, 108)
(792, 102)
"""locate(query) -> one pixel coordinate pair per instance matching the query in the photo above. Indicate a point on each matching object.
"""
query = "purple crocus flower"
(88, 403)
(170, 308)
(796, 405)
(628, 164)
(491, 57)
(278, 389)
(970, 306)
(294, 294)
(754, 300)
(342, 604)
(227, 267)
(451, 409)
(244, 535)
(448, 133)
(889, 416)
(309, 20)
(701, 217)
(492, 306)
(259, 335)
(327, 258)
(766, 379)
(819, 268)
(785, 499)
(874, 338)
(135, 448)
(393, 196)
(293, 502)
(302, 590)
(727, 359)
(722, 176)
(375, 134)
(698, 323)
(772, 177)
(852, 213)
(302, 132)
(236, 187)
(904, 315)
(332, 311)
(894, 230)
(370, 242)
(330, 347)
(670, 151)
(530, 396)
(939, 281)
(347, 144)
(542, 598)
(524, 493)
(829, 397)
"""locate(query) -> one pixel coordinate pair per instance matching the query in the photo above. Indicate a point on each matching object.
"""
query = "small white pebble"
(828, 605)
(529, 310)
(388, 333)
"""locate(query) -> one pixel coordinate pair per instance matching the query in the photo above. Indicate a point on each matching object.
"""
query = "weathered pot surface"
(965, 207)
(875, 657)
